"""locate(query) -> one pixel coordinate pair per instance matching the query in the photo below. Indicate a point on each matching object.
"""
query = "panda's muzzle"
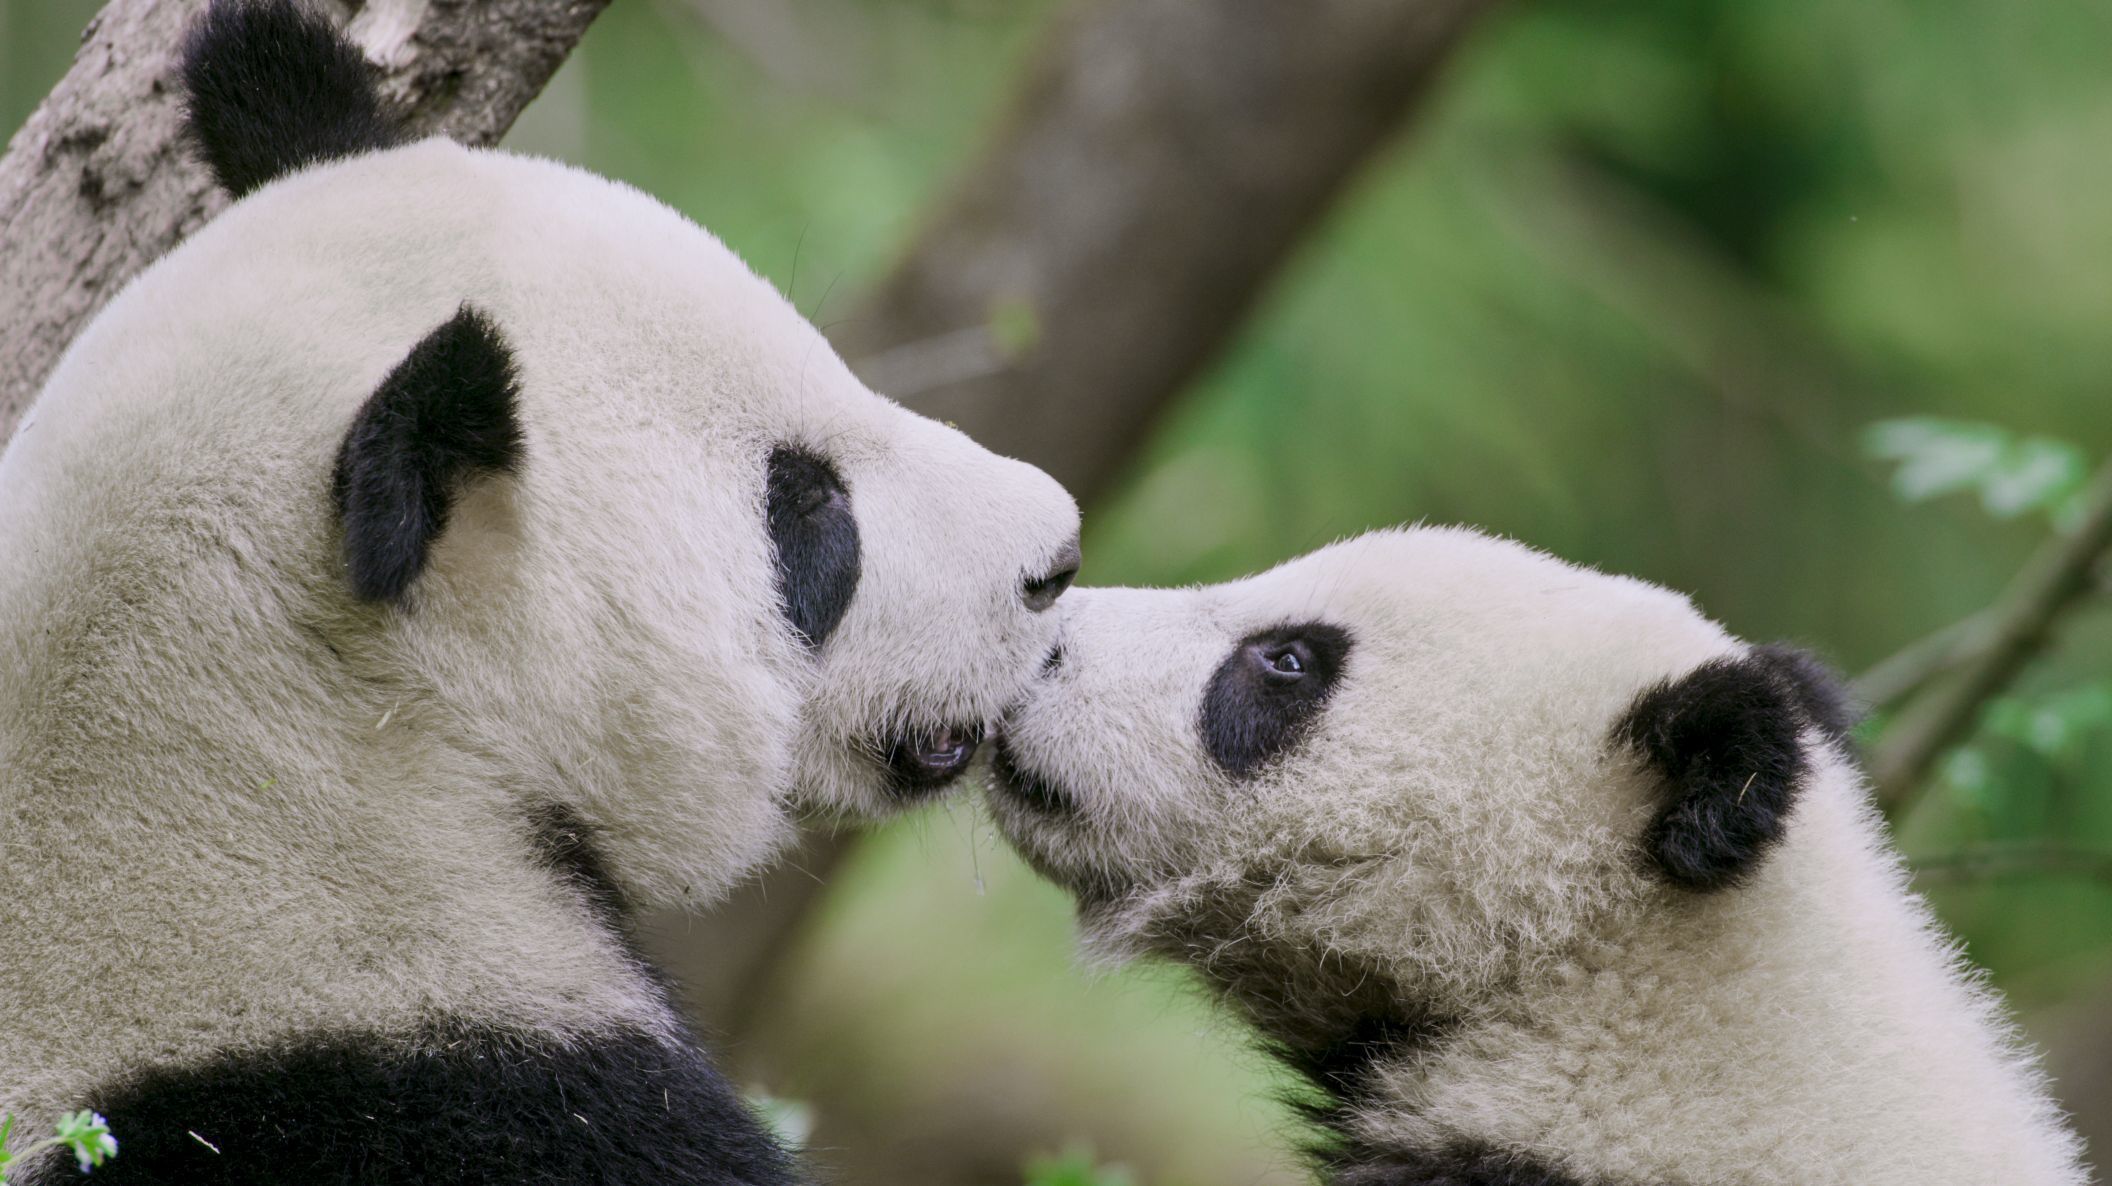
(1038, 792)
(920, 762)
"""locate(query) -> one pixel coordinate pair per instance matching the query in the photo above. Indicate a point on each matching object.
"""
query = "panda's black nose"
(1041, 592)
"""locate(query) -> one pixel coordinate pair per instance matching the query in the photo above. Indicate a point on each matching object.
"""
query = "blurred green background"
(1635, 289)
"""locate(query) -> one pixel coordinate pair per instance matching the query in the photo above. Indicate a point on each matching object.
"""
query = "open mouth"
(1028, 787)
(923, 761)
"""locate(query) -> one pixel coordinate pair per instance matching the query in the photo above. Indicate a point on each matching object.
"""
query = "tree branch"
(1996, 646)
(98, 183)
(2030, 858)
(1900, 675)
(1904, 673)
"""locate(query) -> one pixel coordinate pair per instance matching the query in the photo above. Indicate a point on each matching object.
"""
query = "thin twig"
(1894, 679)
(1904, 673)
(1985, 658)
(2027, 858)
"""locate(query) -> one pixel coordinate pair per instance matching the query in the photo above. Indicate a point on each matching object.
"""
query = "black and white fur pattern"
(1540, 877)
(439, 556)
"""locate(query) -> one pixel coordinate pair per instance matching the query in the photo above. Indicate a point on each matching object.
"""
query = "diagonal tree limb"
(98, 183)
(2027, 859)
(1903, 674)
(1992, 649)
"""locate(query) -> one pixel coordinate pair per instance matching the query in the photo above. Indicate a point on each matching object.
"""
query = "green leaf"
(2035, 474)
(1936, 457)
(1076, 1167)
(2012, 476)
(88, 1135)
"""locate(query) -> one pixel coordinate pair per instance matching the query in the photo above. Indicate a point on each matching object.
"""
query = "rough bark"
(99, 183)
(1160, 164)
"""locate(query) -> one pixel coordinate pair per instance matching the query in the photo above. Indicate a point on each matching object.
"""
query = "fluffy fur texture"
(1447, 903)
(1727, 737)
(245, 805)
(454, 1104)
(445, 415)
(273, 89)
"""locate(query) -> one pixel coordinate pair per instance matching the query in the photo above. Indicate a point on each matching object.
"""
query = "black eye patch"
(815, 536)
(1265, 695)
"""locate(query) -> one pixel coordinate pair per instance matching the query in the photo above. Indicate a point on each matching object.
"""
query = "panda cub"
(1539, 876)
(438, 557)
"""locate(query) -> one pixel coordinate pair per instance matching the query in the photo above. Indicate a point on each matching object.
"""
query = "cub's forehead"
(1433, 590)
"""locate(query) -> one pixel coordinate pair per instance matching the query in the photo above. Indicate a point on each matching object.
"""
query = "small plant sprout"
(87, 1134)
(1076, 1166)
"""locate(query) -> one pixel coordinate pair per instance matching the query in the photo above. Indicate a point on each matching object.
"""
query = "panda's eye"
(1266, 694)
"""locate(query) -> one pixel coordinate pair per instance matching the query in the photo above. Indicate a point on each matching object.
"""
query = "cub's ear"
(1728, 740)
(1820, 691)
(446, 414)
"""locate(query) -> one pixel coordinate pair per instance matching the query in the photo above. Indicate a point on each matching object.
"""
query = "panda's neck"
(1808, 1027)
(333, 877)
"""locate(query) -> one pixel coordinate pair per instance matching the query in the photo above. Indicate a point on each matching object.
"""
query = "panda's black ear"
(273, 87)
(1820, 691)
(1727, 738)
(444, 415)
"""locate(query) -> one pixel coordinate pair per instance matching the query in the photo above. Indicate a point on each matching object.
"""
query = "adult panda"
(1537, 874)
(438, 556)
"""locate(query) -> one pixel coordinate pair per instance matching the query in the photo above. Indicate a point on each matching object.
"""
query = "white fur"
(238, 804)
(1460, 838)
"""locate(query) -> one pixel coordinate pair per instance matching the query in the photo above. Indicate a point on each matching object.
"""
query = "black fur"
(1252, 711)
(273, 88)
(815, 535)
(1340, 1072)
(565, 843)
(1461, 1164)
(445, 414)
(459, 1105)
(1339, 1075)
(1727, 738)
(1822, 693)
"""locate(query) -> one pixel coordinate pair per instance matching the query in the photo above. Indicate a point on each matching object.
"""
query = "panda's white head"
(1413, 762)
(487, 453)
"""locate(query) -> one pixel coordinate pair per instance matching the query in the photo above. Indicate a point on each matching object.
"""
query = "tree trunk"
(99, 183)
(1163, 159)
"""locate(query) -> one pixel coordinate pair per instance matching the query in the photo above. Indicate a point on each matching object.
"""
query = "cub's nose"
(1041, 592)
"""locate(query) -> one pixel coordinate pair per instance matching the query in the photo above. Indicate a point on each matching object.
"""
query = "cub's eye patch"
(1266, 694)
(815, 536)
